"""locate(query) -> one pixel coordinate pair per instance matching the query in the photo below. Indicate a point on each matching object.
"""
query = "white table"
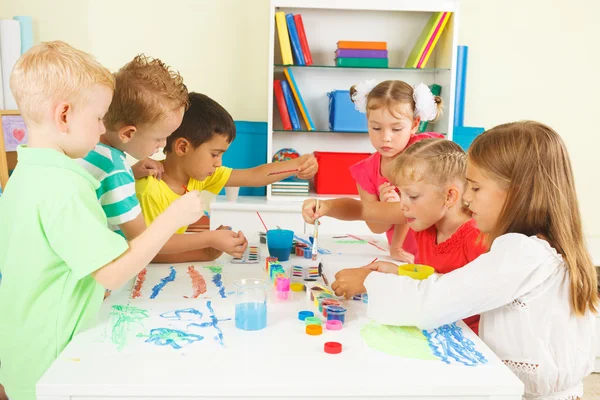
(281, 361)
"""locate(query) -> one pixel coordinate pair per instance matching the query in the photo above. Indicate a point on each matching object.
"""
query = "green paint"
(125, 318)
(215, 269)
(351, 241)
(402, 341)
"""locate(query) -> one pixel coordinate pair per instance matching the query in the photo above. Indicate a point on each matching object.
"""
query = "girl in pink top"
(394, 110)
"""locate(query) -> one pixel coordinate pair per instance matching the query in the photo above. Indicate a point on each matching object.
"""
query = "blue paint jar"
(336, 313)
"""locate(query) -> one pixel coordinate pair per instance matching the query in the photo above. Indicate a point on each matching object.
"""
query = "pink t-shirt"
(367, 173)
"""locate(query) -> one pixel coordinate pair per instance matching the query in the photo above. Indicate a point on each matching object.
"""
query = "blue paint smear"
(177, 314)
(214, 323)
(308, 243)
(449, 345)
(170, 278)
(172, 337)
(219, 283)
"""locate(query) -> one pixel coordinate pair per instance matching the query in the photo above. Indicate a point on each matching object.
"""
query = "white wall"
(536, 63)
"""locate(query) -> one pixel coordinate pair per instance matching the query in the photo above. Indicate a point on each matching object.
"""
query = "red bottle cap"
(333, 347)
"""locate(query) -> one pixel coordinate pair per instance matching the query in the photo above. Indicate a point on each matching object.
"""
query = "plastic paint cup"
(251, 304)
(329, 302)
(416, 271)
(314, 330)
(297, 287)
(322, 296)
(333, 325)
(279, 243)
(313, 321)
(332, 348)
(336, 313)
(315, 292)
(231, 193)
(302, 315)
(283, 288)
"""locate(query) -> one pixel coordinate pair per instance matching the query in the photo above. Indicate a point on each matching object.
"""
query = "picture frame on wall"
(13, 132)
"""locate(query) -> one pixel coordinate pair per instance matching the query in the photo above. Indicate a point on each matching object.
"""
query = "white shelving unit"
(397, 22)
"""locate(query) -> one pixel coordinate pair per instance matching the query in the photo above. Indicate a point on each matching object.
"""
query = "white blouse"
(521, 289)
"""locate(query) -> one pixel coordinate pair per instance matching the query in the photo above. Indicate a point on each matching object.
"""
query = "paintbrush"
(284, 172)
(316, 234)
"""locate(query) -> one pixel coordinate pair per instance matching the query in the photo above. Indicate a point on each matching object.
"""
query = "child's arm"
(226, 241)
(514, 266)
(147, 167)
(143, 248)
(207, 254)
(347, 209)
(306, 165)
(396, 250)
(375, 227)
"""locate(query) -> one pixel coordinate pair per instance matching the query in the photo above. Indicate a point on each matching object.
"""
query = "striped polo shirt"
(117, 185)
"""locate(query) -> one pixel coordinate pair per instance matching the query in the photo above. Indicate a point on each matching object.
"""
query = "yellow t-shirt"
(155, 196)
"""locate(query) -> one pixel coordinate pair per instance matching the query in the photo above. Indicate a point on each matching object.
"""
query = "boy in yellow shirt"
(148, 105)
(193, 160)
(57, 255)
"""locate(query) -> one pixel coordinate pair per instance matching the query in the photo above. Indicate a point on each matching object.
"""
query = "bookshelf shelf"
(330, 67)
(325, 22)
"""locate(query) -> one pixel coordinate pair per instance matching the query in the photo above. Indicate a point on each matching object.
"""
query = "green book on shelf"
(361, 62)
(436, 90)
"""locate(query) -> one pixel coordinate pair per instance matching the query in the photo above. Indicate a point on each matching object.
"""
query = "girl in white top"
(536, 288)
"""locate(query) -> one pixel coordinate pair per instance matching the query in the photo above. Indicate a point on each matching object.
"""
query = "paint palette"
(250, 256)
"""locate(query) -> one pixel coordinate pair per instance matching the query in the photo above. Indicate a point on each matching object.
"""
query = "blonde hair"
(146, 90)
(531, 161)
(391, 94)
(437, 161)
(51, 72)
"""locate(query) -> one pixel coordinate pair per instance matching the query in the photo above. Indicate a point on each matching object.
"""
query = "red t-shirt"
(367, 173)
(456, 252)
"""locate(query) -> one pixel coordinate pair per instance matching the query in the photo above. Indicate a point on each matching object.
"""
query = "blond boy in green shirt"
(57, 254)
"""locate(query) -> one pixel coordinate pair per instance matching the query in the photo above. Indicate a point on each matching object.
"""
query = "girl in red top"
(394, 110)
(431, 178)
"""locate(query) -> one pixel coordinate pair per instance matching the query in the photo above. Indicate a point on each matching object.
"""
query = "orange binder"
(348, 44)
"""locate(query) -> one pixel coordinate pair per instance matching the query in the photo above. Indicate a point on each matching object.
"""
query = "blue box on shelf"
(343, 116)
(464, 135)
(248, 150)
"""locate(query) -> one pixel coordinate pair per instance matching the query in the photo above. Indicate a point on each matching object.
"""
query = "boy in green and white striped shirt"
(147, 106)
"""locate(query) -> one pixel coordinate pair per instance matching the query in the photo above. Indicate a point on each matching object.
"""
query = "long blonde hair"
(531, 161)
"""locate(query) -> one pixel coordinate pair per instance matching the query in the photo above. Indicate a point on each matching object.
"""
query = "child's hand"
(310, 213)
(187, 209)
(387, 193)
(308, 168)
(148, 167)
(229, 242)
(350, 282)
(383, 266)
(402, 255)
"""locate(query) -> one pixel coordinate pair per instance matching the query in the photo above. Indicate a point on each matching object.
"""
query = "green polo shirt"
(53, 236)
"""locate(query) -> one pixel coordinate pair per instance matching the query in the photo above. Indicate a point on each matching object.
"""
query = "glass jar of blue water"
(279, 243)
(251, 304)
